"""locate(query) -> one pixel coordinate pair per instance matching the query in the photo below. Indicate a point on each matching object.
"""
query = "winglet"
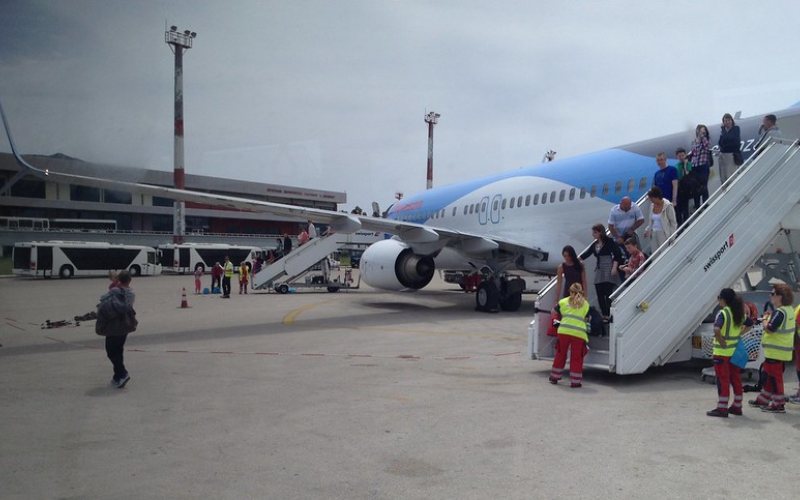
(22, 163)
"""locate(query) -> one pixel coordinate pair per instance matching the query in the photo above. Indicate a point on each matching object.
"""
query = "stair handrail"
(739, 172)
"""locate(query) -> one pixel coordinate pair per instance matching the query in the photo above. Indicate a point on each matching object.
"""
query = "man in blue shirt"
(666, 178)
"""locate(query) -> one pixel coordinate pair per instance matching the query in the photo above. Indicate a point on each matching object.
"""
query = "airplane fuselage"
(554, 204)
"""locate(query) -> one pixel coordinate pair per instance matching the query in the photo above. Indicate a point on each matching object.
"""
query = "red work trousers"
(578, 350)
(727, 377)
(772, 392)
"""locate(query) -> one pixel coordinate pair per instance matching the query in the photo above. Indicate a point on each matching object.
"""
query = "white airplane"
(517, 220)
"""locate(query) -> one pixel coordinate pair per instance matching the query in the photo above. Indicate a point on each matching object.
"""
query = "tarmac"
(351, 395)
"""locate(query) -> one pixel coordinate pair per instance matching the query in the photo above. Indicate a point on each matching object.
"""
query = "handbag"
(740, 356)
(737, 158)
(552, 330)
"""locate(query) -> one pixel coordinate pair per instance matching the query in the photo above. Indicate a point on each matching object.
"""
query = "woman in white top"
(661, 223)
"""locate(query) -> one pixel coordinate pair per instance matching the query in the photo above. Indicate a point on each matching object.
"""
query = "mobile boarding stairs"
(304, 259)
(656, 311)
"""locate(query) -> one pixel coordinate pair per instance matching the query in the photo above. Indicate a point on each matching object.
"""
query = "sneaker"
(124, 380)
(795, 400)
(553, 380)
(735, 411)
(717, 412)
(773, 409)
(576, 386)
(755, 404)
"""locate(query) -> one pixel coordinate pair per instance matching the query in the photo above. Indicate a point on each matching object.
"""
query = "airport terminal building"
(31, 197)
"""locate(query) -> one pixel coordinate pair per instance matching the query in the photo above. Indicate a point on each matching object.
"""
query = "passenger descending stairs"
(656, 311)
(299, 260)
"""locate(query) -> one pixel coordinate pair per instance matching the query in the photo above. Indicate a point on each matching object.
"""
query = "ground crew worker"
(244, 272)
(777, 344)
(571, 336)
(729, 325)
(226, 280)
(796, 398)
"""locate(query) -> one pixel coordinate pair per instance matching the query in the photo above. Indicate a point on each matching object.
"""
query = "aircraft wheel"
(487, 297)
(66, 272)
(512, 303)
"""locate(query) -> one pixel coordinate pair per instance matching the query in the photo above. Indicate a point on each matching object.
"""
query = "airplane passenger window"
(562, 195)
(536, 199)
(472, 209)
(572, 194)
(503, 205)
(528, 201)
(511, 203)
(618, 187)
(519, 201)
(583, 193)
(465, 210)
(544, 198)
(643, 183)
(605, 189)
(552, 197)
(594, 192)
(454, 211)
(631, 185)
(494, 205)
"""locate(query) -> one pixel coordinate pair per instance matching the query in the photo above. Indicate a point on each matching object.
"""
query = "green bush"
(5, 265)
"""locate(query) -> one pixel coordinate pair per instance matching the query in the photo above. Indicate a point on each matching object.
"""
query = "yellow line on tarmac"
(291, 315)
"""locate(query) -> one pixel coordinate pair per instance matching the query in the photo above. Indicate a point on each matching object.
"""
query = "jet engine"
(393, 265)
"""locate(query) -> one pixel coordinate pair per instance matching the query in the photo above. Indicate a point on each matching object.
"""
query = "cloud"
(332, 95)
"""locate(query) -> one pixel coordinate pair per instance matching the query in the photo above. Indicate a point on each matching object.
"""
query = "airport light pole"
(431, 119)
(179, 42)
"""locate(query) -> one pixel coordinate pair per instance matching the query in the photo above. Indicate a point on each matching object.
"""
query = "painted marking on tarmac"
(292, 315)
(15, 326)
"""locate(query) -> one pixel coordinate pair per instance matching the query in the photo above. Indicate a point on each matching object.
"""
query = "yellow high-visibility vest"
(729, 332)
(573, 320)
(780, 344)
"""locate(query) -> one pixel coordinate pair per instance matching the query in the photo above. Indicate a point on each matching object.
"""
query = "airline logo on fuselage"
(714, 258)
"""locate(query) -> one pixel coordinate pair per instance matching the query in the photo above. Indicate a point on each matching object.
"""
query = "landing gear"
(496, 294)
(512, 302)
(487, 299)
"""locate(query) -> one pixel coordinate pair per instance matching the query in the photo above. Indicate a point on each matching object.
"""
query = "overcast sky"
(332, 94)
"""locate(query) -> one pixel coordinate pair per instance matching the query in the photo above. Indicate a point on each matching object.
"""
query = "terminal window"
(84, 193)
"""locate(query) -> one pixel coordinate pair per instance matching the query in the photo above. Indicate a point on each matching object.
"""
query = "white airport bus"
(84, 225)
(186, 257)
(24, 223)
(82, 258)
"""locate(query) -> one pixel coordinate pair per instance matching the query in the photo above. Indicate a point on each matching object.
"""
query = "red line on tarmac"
(408, 356)
(170, 350)
(312, 354)
(360, 355)
(221, 352)
(506, 353)
(269, 353)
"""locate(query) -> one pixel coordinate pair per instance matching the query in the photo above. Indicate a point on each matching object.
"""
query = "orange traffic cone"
(184, 300)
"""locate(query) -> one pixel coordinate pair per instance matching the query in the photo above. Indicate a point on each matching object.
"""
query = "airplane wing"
(414, 234)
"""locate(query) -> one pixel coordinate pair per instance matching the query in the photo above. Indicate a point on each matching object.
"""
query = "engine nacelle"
(393, 265)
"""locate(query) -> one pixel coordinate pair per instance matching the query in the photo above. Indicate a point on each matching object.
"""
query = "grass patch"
(5, 265)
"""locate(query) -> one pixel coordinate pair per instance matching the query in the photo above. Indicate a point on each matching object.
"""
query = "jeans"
(115, 347)
(701, 195)
(226, 286)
